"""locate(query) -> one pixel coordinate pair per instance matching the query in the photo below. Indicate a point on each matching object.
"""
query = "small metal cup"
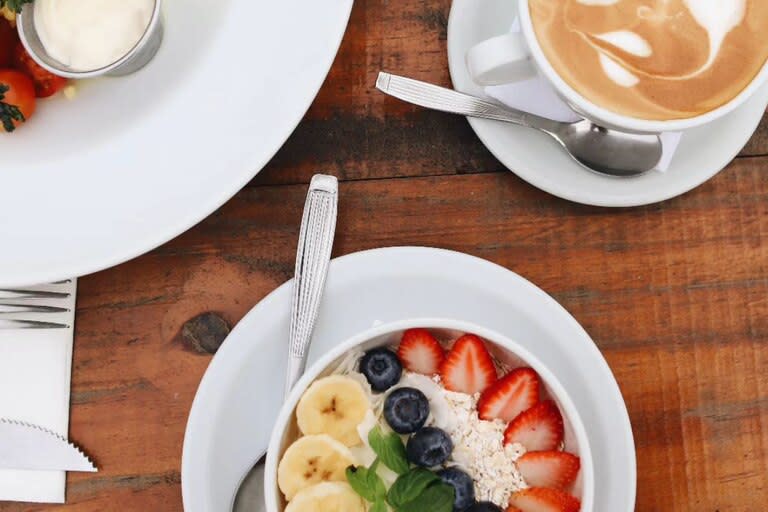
(138, 57)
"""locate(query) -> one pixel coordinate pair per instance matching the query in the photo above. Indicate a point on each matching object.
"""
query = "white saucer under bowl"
(241, 393)
(537, 159)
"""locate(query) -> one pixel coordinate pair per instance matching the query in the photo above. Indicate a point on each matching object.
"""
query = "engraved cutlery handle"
(447, 100)
(313, 255)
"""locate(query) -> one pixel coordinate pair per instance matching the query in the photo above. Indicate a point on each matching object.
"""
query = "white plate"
(241, 392)
(537, 159)
(134, 161)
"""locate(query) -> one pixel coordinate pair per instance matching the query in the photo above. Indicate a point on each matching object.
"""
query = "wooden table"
(675, 294)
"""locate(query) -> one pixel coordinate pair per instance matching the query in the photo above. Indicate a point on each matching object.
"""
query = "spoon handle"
(313, 255)
(454, 102)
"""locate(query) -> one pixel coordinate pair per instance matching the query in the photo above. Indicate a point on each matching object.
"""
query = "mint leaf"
(366, 482)
(390, 449)
(438, 497)
(410, 486)
(375, 482)
(378, 506)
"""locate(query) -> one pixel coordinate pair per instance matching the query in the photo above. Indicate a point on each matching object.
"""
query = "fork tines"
(27, 308)
(6, 293)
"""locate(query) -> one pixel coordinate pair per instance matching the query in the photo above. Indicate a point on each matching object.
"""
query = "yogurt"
(91, 34)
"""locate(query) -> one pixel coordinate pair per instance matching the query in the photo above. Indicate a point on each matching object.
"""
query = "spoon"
(313, 255)
(599, 149)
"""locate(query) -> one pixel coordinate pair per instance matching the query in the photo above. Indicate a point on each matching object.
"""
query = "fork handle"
(435, 97)
(313, 255)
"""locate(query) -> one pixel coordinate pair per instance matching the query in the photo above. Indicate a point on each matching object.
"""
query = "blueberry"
(483, 506)
(382, 368)
(406, 410)
(429, 447)
(463, 486)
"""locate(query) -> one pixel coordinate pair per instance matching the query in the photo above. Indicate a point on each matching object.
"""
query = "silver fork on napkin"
(37, 307)
(36, 336)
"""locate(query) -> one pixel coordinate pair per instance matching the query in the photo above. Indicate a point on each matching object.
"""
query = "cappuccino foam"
(654, 59)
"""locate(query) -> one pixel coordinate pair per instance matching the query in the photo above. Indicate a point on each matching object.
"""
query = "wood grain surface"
(675, 294)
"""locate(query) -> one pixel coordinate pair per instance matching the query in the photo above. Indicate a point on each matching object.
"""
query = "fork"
(26, 308)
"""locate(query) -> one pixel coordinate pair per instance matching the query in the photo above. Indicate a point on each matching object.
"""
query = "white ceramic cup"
(518, 56)
(500, 346)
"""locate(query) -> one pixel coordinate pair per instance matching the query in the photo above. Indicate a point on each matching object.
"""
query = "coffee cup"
(521, 55)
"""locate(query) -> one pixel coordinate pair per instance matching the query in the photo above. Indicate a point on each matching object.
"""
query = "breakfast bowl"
(469, 413)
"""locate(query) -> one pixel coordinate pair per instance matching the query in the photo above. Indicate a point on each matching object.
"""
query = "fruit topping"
(463, 487)
(539, 428)
(510, 395)
(406, 410)
(390, 450)
(468, 367)
(381, 368)
(420, 352)
(541, 499)
(484, 506)
(310, 460)
(333, 405)
(429, 447)
(553, 469)
(328, 497)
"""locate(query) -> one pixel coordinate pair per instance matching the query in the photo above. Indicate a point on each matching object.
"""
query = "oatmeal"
(479, 449)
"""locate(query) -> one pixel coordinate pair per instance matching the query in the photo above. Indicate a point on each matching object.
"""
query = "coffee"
(654, 59)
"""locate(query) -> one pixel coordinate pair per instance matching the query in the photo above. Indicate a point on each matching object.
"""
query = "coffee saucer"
(536, 158)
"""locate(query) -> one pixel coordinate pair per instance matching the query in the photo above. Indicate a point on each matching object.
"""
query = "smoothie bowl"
(429, 415)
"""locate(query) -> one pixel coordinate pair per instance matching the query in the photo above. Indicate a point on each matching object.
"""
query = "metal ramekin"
(131, 62)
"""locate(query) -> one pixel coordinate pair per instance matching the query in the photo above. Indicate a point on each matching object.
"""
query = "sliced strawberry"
(420, 352)
(541, 499)
(468, 367)
(512, 394)
(551, 468)
(539, 428)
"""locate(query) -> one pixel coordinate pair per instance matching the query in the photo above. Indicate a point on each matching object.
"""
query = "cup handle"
(500, 60)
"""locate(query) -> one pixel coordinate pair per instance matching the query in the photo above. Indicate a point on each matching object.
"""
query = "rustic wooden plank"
(758, 144)
(674, 295)
(354, 131)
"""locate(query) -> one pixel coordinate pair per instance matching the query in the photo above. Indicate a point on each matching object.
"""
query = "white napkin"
(35, 370)
(538, 97)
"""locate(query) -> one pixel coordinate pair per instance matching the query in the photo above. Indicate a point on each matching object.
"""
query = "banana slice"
(333, 405)
(311, 460)
(327, 497)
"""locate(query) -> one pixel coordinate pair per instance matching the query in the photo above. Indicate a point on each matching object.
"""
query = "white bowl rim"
(550, 380)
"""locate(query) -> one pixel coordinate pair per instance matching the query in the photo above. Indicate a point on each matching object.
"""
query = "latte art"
(654, 59)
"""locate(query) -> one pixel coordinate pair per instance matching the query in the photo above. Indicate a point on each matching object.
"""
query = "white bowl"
(134, 161)
(500, 346)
